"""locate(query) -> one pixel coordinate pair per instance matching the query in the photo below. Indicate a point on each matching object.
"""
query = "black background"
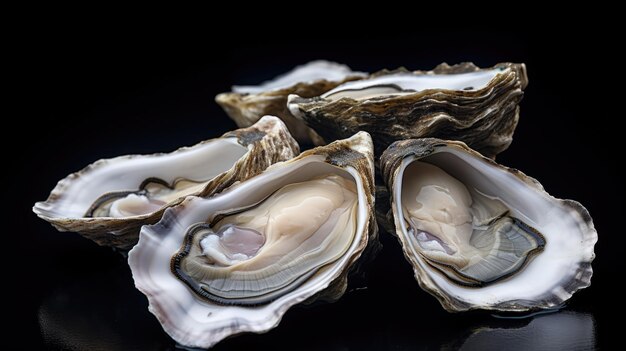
(98, 95)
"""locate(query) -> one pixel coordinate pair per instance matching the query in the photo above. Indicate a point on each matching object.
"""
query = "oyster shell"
(460, 102)
(483, 236)
(246, 104)
(236, 262)
(110, 199)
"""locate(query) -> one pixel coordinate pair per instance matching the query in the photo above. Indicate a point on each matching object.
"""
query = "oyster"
(483, 236)
(246, 104)
(110, 199)
(460, 102)
(236, 262)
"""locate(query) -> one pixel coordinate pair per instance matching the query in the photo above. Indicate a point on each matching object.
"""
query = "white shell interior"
(566, 233)
(195, 322)
(411, 83)
(308, 73)
(200, 163)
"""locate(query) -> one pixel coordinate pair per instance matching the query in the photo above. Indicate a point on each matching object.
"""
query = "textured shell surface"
(109, 200)
(236, 262)
(460, 102)
(246, 104)
(483, 236)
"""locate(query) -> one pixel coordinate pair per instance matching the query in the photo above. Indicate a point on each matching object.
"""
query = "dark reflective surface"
(102, 310)
(99, 312)
(565, 330)
(108, 96)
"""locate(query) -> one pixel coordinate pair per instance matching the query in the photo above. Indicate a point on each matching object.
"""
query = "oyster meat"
(236, 262)
(246, 104)
(483, 236)
(460, 102)
(110, 199)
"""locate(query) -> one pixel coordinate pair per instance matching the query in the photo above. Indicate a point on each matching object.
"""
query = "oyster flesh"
(236, 262)
(460, 102)
(109, 200)
(483, 236)
(246, 104)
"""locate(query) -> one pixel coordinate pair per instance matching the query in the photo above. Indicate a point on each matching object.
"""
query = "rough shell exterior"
(268, 142)
(246, 109)
(390, 163)
(484, 118)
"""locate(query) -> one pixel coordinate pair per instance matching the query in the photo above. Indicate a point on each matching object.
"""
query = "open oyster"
(483, 236)
(110, 199)
(460, 102)
(236, 262)
(246, 104)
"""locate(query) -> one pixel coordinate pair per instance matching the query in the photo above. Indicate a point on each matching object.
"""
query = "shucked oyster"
(460, 102)
(246, 104)
(480, 235)
(110, 199)
(236, 262)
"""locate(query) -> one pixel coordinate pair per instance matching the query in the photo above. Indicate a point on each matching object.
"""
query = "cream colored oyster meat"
(152, 194)
(464, 234)
(268, 240)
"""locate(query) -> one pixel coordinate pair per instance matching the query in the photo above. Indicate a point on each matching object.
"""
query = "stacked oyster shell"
(236, 230)
(460, 102)
(247, 103)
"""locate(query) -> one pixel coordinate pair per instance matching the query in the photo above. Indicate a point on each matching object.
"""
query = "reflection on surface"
(103, 310)
(565, 330)
(99, 312)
